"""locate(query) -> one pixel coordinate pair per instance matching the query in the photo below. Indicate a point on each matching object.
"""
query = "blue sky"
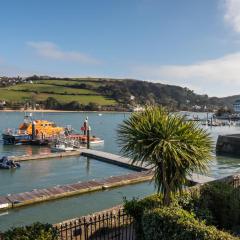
(191, 43)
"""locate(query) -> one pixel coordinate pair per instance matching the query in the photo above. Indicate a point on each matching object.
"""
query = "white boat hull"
(62, 148)
(97, 142)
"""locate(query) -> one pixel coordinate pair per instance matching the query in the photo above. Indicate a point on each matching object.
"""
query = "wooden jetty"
(144, 173)
(56, 192)
(106, 157)
(194, 178)
(45, 156)
(112, 159)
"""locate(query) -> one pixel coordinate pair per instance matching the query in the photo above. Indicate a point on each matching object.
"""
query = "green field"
(61, 90)
(47, 88)
(14, 96)
(71, 82)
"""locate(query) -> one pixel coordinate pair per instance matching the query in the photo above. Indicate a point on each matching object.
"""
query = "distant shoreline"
(75, 111)
(60, 111)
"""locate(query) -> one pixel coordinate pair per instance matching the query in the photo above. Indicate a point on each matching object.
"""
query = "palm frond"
(168, 142)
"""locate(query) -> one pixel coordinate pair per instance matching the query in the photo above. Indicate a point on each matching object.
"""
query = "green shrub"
(215, 203)
(189, 200)
(186, 200)
(36, 231)
(223, 201)
(136, 208)
(168, 223)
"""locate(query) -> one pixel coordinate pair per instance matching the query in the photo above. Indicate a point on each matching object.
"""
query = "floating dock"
(194, 178)
(112, 159)
(45, 156)
(144, 173)
(61, 191)
(105, 157)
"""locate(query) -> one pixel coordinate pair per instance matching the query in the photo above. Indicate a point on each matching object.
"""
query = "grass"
(13, 95)
(47, 88)
(82, 99)
(71, 82)
(63, 92)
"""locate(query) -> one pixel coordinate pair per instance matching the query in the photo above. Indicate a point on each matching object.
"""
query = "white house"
(236, 106)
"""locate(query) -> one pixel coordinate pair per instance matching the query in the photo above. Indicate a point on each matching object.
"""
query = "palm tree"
(171, 146)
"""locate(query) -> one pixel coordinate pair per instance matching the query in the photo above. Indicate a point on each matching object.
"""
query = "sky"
(190, 43)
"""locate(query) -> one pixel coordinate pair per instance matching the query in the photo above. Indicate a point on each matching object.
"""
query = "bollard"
(33, 130)
(88, 137)
(85, 126)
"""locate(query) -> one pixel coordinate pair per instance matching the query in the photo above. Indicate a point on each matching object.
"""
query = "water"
(42, 173)
(68, 208)
(46, 173)
(103, 126)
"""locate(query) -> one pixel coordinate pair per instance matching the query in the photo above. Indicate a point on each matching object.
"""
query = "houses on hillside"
(9, 81)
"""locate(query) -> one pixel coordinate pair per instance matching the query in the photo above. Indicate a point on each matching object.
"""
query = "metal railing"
(105, 226)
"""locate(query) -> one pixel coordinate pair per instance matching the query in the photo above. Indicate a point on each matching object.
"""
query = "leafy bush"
(214, 204)
(189, 200)
(168, 223)
(223, 201)
(136, 208)
(36, 231)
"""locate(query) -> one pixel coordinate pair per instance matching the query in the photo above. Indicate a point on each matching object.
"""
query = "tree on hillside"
(171, 146)
(52, 103)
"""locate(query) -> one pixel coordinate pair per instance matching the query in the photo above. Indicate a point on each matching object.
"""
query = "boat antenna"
(30, 116)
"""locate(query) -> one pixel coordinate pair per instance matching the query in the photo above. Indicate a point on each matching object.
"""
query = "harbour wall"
(228, 144)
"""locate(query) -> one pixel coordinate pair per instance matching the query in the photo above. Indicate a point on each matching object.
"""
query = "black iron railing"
(105, 226)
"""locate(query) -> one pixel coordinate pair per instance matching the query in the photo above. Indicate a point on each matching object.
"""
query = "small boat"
(5, 163)
(82, 138)
(61, 148)
(95, 140)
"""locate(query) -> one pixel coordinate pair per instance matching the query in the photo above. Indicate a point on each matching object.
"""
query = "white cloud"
(52, 51)
(232, 15)
(219, 76)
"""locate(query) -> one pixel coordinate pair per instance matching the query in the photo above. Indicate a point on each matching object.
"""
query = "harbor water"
(52, 172)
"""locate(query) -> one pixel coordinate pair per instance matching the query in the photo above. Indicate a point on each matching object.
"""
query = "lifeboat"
(32, 132)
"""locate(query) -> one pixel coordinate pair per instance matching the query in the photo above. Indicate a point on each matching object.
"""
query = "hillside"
(105, 94)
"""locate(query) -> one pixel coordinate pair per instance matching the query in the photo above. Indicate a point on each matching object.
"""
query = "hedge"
(223, 201)
(216, 204)
(168, 223)
(136, 208)
(35, 231)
